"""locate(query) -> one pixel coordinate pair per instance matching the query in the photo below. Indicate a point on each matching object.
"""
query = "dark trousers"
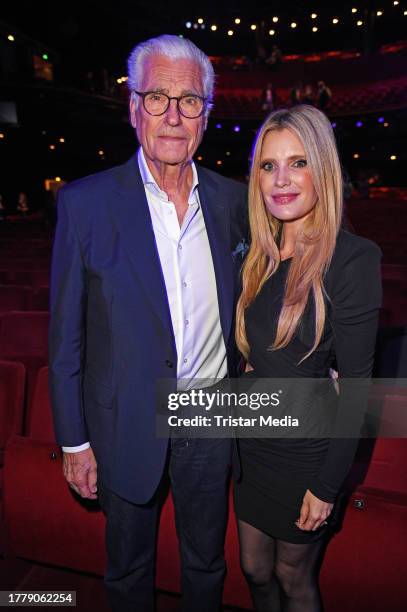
(199, 473)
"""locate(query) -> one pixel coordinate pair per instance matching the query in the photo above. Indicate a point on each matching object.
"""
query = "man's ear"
(132, 107)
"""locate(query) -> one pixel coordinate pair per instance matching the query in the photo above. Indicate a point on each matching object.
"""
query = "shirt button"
(180, 247)
(186, 321)
(185, 360)
(184, 284)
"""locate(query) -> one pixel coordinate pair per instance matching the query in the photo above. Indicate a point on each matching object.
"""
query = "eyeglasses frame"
(143, 94)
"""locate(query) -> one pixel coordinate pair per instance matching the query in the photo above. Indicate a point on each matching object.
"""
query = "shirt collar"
(149, 181)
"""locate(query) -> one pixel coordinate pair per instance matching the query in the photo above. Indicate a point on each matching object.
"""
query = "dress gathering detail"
(276, 472)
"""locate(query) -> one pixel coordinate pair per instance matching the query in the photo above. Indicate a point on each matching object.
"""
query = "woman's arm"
(356, 299)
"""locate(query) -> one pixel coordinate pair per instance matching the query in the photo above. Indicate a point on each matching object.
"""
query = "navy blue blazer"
(111, 335)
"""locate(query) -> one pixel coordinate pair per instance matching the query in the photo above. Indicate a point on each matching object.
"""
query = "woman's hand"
(313, 512)
(248, 367)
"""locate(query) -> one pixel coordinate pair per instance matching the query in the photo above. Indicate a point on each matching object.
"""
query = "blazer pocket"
(97, 392)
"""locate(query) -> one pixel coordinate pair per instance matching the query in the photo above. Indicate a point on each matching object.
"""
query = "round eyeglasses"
(156, 103)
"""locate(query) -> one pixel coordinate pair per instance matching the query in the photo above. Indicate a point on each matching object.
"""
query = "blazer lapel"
(132, 217)
(217, 226)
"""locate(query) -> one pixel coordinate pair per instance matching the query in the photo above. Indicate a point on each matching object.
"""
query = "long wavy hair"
(315, 243)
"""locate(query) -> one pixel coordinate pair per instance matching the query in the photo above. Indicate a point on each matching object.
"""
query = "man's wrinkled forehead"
(168, 75)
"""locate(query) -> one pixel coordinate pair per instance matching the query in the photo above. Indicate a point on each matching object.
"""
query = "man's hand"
(314, 512)
(80, 471)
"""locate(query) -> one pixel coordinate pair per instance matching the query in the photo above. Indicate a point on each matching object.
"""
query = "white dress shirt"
(189, 277)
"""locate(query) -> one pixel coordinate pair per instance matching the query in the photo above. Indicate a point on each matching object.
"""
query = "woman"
(311, 294)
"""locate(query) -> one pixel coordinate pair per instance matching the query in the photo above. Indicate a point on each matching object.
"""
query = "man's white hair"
(172, 47)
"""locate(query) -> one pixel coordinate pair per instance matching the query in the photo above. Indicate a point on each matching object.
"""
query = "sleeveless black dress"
(275, 473)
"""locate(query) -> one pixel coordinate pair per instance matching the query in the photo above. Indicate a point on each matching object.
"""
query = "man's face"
(169, 138)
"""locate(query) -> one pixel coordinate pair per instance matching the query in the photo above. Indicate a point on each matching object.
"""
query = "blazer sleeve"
(356, 300)
(67, 330)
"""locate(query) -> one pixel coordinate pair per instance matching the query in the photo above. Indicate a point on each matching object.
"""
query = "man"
(143, 287)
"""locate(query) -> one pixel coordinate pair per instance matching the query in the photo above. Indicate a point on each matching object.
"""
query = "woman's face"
(285, 178)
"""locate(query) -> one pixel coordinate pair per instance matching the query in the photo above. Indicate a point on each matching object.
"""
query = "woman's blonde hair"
(316, 242)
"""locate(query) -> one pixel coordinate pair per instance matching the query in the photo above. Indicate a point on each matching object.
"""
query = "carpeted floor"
(90, 593)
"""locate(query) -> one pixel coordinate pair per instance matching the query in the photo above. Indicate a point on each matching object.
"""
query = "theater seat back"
(12, 386)
(39, 419)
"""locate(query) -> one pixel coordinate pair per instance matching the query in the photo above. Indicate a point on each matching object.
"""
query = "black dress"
(275, 473)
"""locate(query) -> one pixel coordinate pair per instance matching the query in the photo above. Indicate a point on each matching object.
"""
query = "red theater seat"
(24, 337)
(45, 521)
(39, 417)
(12, 387)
